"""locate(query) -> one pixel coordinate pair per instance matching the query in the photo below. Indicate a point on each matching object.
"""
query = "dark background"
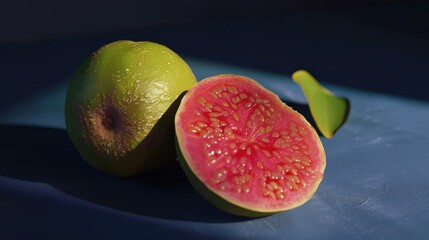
(378, 46)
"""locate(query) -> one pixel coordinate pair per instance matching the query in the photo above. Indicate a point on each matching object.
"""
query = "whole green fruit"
(121, 103)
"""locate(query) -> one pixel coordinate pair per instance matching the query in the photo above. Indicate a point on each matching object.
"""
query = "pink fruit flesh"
(247, 146)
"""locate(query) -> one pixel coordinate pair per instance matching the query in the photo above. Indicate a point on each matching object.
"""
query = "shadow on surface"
(48, 156)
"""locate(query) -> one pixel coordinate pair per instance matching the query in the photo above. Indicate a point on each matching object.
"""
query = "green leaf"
(329, 111)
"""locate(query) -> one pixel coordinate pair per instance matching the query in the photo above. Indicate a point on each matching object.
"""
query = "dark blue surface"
(375, 183)
(375, 186)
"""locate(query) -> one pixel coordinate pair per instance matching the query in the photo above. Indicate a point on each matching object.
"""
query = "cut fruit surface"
(250, 152)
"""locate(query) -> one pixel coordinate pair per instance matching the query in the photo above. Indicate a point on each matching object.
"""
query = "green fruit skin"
(140, 82)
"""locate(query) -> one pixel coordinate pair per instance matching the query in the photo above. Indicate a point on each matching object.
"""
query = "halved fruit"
(245, 150)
